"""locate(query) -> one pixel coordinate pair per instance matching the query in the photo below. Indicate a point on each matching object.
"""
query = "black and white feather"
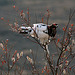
(40, 31)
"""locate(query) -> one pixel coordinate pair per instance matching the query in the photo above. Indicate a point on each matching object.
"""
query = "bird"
(41, 31)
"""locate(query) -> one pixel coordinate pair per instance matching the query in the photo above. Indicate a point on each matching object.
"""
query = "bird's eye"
(37, 25)
(30, 30)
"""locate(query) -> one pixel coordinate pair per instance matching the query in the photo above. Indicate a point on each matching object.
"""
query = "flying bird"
(41, 31)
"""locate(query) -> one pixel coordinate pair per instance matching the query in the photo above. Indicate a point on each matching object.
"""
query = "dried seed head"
(21, 54)
(60, 65)
(29, 59)
(30, 51)
(1, 45)
(22, 15)
(68, 47)
(64, 71)
(66, 62)
(18, 56)
(73, 42)
(13, 59)
(16, 24)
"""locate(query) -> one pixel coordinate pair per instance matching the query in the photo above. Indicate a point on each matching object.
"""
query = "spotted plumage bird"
(41, 31)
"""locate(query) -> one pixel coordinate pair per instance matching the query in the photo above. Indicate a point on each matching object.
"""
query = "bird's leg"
(48, 59)
(47, 49)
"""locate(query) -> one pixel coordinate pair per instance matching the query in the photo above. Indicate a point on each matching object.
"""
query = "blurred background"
(59, 14)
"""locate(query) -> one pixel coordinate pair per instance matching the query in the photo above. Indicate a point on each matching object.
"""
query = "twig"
(70, 17)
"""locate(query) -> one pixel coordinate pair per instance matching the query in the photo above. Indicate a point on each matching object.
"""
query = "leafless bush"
(7, 59)
(64, 47)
